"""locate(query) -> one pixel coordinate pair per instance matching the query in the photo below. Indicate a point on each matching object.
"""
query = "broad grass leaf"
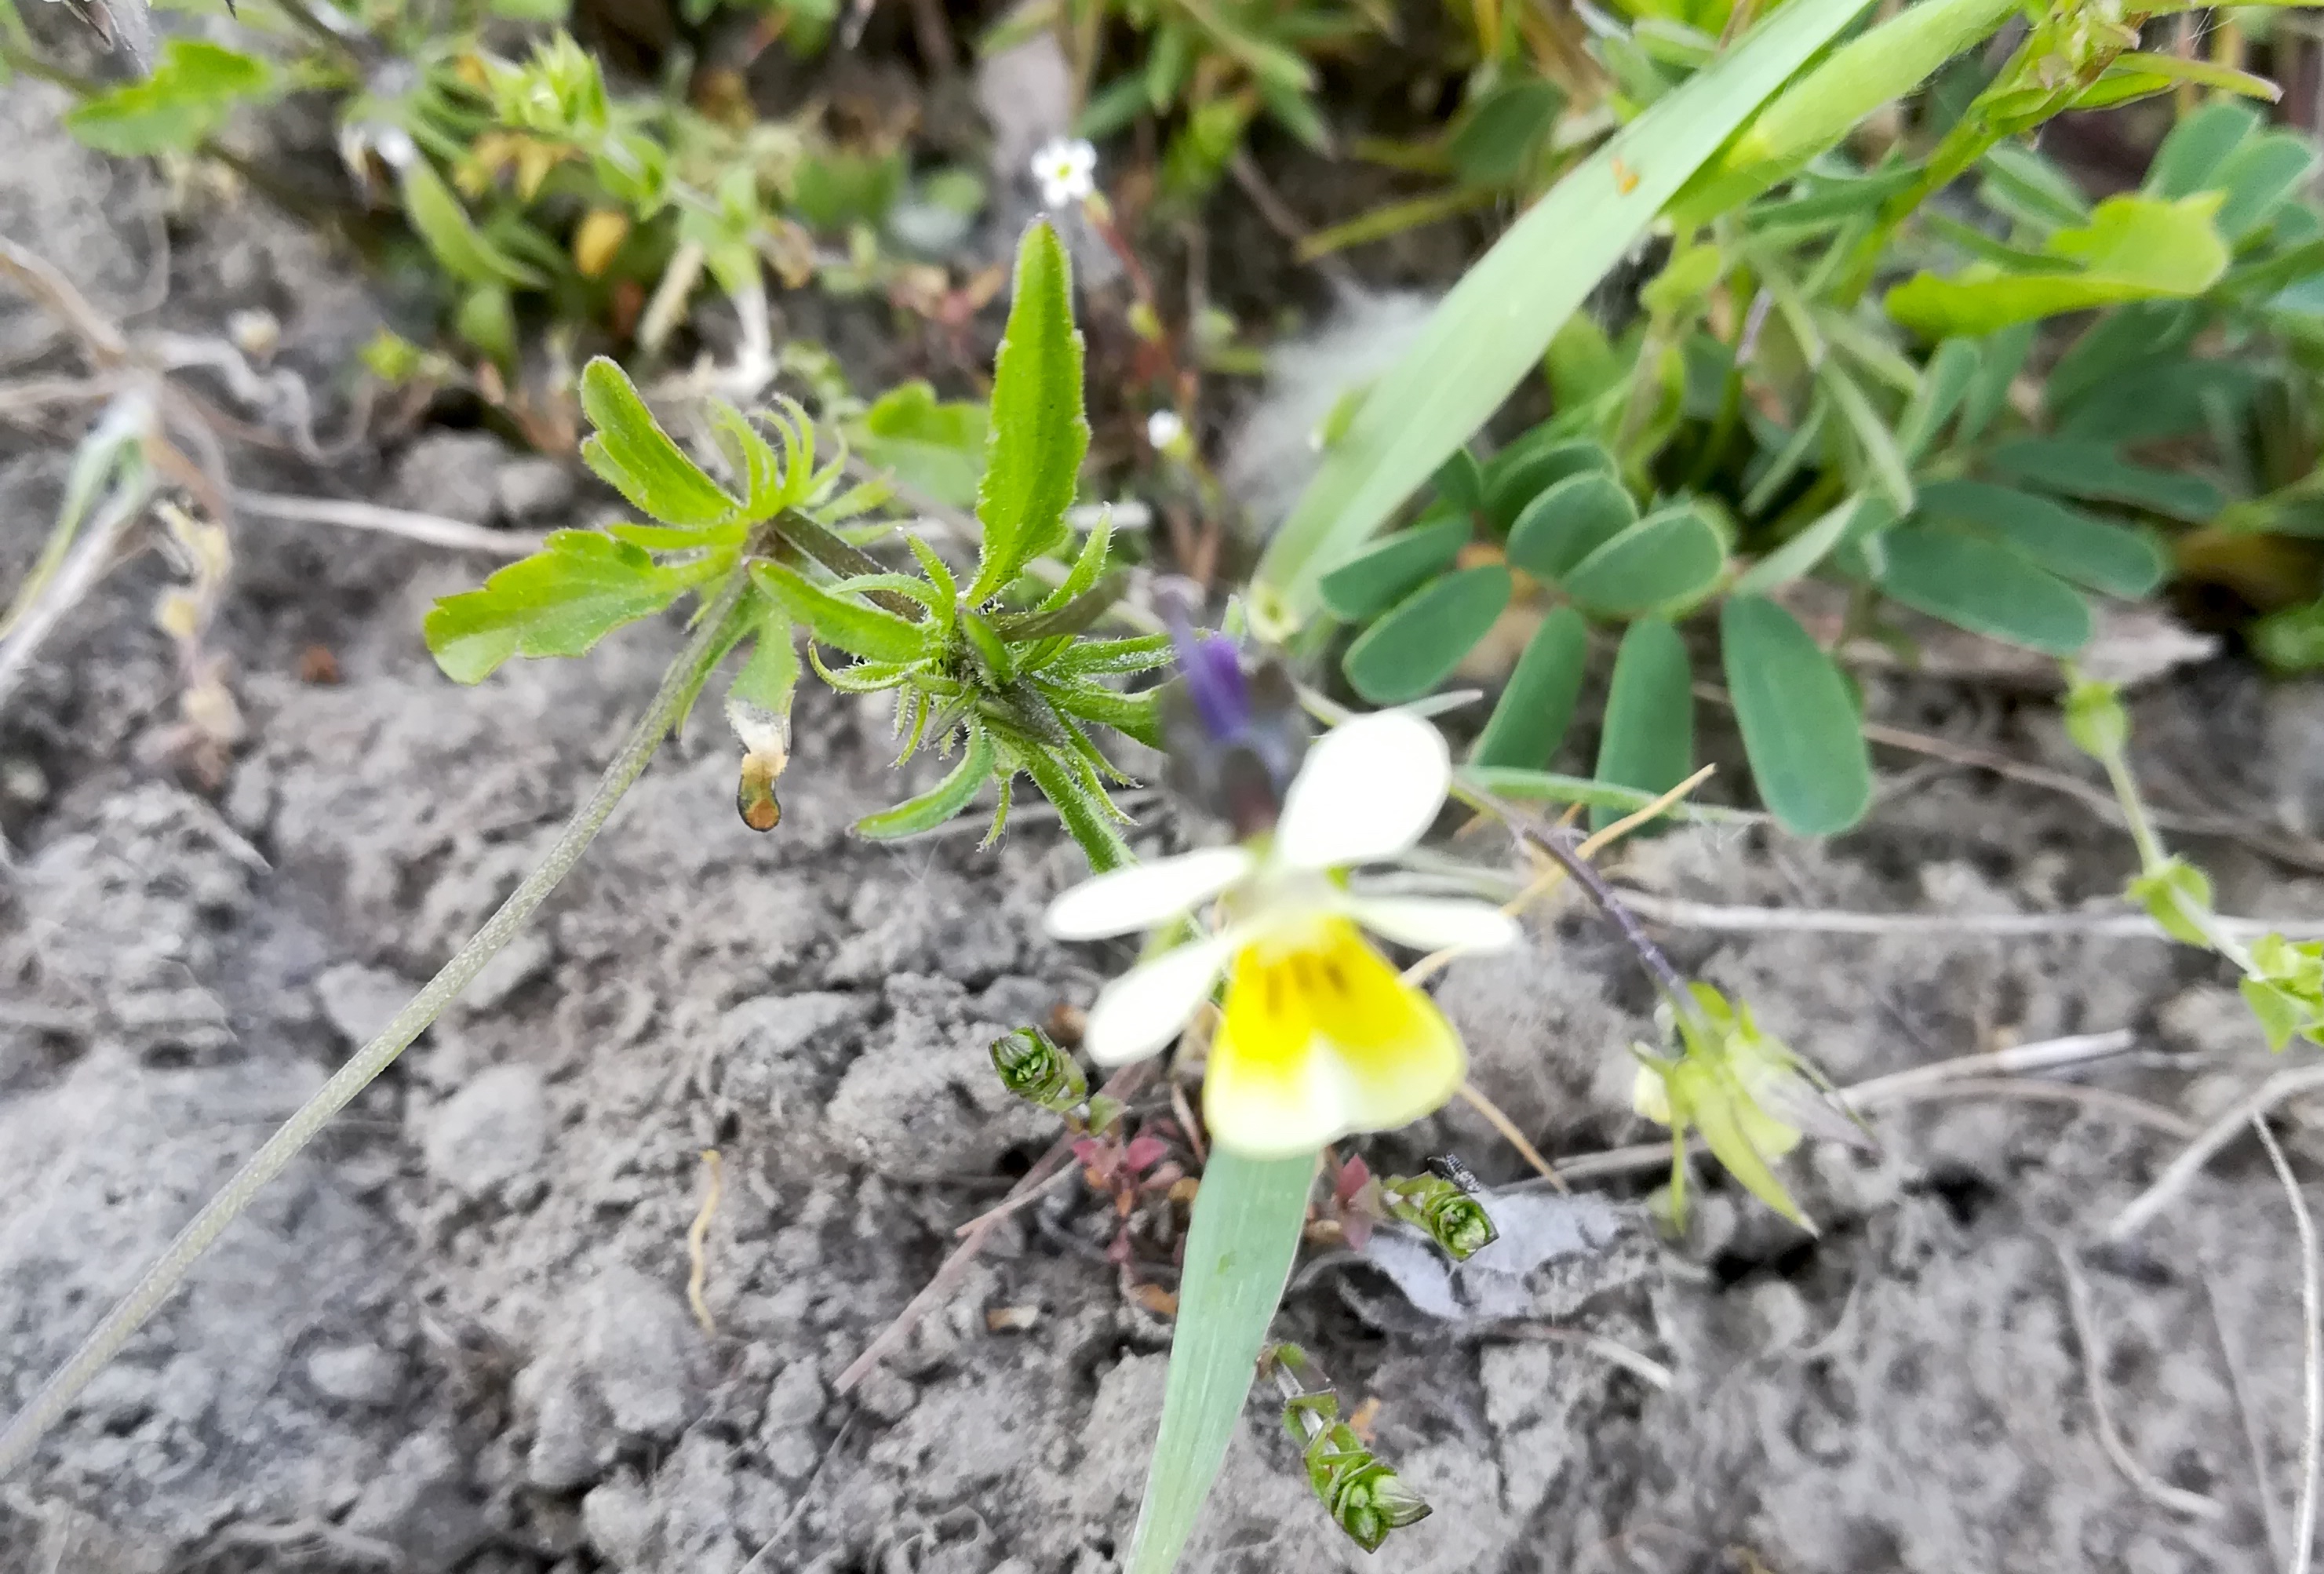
(1884, 63)
(2067, 542)
(1983, 586)
(579, 587)
(1489, 333)
(1669, 556)
(1240, 1247)
(1568, 522)
(1536, 705)
(1647, 743)
(1387, 570)
(1033, 459)
(632, 454)
(1799, 720)
(1415, 644)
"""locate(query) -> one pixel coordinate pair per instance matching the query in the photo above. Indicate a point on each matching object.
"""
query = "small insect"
(1626, 179)
(766, 739)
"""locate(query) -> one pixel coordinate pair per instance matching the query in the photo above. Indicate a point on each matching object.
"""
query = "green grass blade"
(1490, 332)
(1239, 1251)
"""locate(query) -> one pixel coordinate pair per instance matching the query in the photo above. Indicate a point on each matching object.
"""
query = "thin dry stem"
(2182, 1170)
(1678, 913)
(429, 529)
(2312, 1352)
(1647, 1371)
(697, 1242)
(2145, 1482)
(1508, 1128)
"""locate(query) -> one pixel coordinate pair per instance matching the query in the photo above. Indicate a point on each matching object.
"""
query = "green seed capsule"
(1037, 1071)
(1455, 1219)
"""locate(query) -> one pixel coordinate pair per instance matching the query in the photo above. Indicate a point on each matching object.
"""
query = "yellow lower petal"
(1321, 1038)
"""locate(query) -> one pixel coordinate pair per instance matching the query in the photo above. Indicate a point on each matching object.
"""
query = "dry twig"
(697, 1243)
(429, 529)
(2149, 1486)
(1678, 913)
(2311, 1353)
(2175, 1176)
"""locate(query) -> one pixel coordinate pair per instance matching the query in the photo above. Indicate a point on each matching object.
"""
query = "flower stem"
(678, 685)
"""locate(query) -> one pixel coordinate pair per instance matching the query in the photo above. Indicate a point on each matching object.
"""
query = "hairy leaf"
(633, 455)
(1033, 460)
(562, 600)
(869, 631)
(941, 802)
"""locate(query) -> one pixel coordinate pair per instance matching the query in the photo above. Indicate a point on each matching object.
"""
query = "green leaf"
(1033, 461)
(2093, 471)
(1849, 519)
(2177, 897)
(1240, 1247)
(1884, 462)
(1536, 787)
(1537, 705)
(1459, 483)
(1647, 743)
(935, 446)
(634, 456)
(2190, 156)
(2066, 542)
(1800, 725)
(1951, 372)
(1490, 332)
(192, 91)
(1418, 643)
(1388, 568)
(579, 587)
(769, 678)
(1568, 522)
(2134, 248)
(1671, 554)
(453, 236)
(941, 802)
(2259, 178)
(867, 631)
(1884, 63)
(1518, 479)
(1088, 816)
(1984, 587)
(2022, 183)
(2003, 356)
(1504, 131)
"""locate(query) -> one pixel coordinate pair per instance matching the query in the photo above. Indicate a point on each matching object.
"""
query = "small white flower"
(1066, 168)
(1321, 1036)
(1165, 431)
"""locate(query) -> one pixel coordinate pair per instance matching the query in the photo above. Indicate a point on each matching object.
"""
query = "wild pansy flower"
(1321, 1036)
(1066, 169)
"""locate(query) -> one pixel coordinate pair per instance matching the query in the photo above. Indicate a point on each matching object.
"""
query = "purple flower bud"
(1234, 739)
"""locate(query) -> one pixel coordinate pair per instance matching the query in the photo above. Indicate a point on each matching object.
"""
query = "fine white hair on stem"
(2311, 1353)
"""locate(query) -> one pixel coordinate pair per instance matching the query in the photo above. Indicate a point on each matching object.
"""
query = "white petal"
(1145, 894)
(1367, 790)
(1148, 1006)
(1436, 923)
